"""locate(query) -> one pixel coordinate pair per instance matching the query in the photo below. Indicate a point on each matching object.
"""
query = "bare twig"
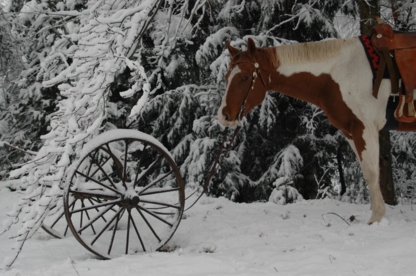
(73, 264)
(7, 266)
(18, 149)
(331, 213)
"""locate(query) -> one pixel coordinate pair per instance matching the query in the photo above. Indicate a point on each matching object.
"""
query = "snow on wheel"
(125, 195)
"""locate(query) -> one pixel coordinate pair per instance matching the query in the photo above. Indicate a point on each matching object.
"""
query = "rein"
(217, 160)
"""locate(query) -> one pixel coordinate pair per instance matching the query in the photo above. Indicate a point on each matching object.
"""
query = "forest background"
(70, 70)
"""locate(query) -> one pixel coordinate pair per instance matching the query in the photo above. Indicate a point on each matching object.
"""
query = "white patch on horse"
(351, 70)
(221, 116)
(354, 76)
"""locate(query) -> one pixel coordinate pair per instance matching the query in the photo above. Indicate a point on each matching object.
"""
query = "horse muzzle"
(224, 119)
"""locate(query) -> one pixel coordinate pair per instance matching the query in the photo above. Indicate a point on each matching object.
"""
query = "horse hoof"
(375, 218)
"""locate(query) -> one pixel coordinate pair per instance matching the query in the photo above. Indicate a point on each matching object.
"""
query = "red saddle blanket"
(372, 56)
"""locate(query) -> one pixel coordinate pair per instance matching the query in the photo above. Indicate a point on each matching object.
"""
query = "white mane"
(311, 51)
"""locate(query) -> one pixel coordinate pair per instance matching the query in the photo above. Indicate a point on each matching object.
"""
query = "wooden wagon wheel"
(125, 195)
(55, 224)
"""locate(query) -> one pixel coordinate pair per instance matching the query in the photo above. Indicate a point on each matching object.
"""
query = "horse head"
(246, 85)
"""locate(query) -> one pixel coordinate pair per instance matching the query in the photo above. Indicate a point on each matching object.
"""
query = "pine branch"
(18, 149)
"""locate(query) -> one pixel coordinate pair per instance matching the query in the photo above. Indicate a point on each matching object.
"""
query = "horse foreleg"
(365, 144)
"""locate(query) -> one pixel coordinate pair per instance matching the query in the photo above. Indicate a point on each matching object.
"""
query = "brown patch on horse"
(325, 93)
(271, 55)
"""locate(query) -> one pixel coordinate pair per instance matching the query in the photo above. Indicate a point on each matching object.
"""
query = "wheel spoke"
(109, 175)
(128, 231)
(159, 191)
(99, 183)
(154, 182)
(160, 203)
(57, 219)
(113, 235)
(92, 226)
(72, 208)
(96, 206)
(99, 201)
(73, 205)
(148, 225)
(137, 233)
(94, 193)
(140, 164)
(66, 230)
(124, 176)
(96, 217)
(98, 210)
(99, 165)
(104, 172)
(90, 167)
(149, 169)
(116, 159)
(82, 217)
(155, 216)
(163, 213)
(106, 226)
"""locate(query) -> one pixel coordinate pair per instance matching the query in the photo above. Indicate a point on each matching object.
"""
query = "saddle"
(397, 51)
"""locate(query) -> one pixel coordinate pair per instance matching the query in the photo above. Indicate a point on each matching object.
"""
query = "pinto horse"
(334, 75)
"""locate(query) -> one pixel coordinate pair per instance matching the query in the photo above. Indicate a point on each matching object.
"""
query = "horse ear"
(251, 46)
(233, 51)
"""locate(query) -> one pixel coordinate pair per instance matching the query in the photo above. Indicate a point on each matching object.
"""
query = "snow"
(115, 134)
(219, 237)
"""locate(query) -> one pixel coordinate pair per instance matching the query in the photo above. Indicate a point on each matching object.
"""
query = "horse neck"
(309, 81)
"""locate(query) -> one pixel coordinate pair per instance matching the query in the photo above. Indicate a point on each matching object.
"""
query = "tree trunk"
(367, 14)
(341, 170)
(386, 175)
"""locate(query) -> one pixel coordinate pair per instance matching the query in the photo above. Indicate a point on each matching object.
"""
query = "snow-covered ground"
(218, 237)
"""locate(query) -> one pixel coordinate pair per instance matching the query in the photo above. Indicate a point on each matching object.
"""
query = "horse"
(334, 75)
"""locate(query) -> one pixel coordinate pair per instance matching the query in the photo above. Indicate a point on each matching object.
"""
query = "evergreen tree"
(38, 31)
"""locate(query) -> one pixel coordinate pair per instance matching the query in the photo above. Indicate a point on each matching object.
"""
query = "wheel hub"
(130, 201)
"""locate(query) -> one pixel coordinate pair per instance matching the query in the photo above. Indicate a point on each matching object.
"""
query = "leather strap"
(379, 76)
(214, 166)
(393, 71)
(386, 60)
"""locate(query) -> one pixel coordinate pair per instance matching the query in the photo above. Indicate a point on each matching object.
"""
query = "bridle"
(256, 73)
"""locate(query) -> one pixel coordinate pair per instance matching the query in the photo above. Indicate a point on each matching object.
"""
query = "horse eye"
(245, 78)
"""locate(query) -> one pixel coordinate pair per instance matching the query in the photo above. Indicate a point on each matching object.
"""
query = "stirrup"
(402, 114)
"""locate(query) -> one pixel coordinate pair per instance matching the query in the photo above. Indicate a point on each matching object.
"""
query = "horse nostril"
(225, 114)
